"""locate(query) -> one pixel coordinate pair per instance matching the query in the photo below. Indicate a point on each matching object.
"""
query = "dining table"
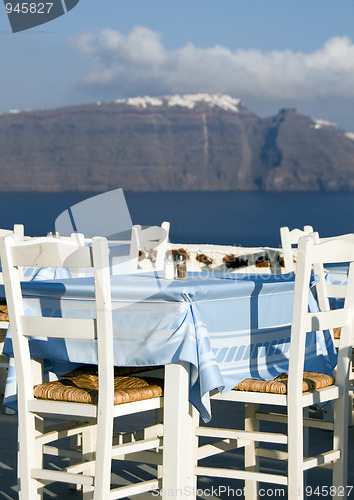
(210, 331)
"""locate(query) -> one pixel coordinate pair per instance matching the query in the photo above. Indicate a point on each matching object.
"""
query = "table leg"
(179, 445)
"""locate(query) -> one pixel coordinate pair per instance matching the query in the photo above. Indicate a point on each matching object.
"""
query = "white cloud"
(138, 63)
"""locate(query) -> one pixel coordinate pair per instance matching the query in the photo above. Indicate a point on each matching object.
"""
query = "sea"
(248, 219)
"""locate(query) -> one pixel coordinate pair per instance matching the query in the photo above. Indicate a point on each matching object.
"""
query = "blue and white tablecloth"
(227, 327)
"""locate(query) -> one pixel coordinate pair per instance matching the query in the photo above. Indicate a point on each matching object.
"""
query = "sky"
(272, 54)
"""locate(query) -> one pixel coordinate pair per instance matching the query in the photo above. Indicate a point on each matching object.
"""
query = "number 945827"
(328, 491)
(29, 7)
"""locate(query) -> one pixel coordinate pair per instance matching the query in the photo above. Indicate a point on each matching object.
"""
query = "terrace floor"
(208, 488)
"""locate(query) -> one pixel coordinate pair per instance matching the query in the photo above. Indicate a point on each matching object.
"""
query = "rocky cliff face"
(195, 142)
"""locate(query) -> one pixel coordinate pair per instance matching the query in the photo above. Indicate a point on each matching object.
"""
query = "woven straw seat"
(83, 388)
(4, 316)
(279, 385)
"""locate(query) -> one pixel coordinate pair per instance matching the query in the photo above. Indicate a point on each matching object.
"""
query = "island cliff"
(189, 142)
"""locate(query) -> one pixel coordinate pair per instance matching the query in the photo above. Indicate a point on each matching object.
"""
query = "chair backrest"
(289, 239)
(151, 240)
(309, 255)
(53, 252)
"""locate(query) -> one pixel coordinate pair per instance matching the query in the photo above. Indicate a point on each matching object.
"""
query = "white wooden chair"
(89, 406)
(151, 241)
(289, 240)
(293, 395)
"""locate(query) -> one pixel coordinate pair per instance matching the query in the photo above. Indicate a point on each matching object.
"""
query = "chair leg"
(306, 432)
(103, 463)
(89, 438)
(295, 452)
(75, 444)
(250, 458)
(340, 442)
(29, 457)
(151, 433)
(328, 411)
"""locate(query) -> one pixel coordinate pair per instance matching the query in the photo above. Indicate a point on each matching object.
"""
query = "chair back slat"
(46, 252)
(330, 252)
(66, 328)
(343, 237)
(296, 234)
(336, 291)
(327, 320)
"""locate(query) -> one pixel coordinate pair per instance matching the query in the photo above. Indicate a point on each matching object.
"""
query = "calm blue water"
(247, 219)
